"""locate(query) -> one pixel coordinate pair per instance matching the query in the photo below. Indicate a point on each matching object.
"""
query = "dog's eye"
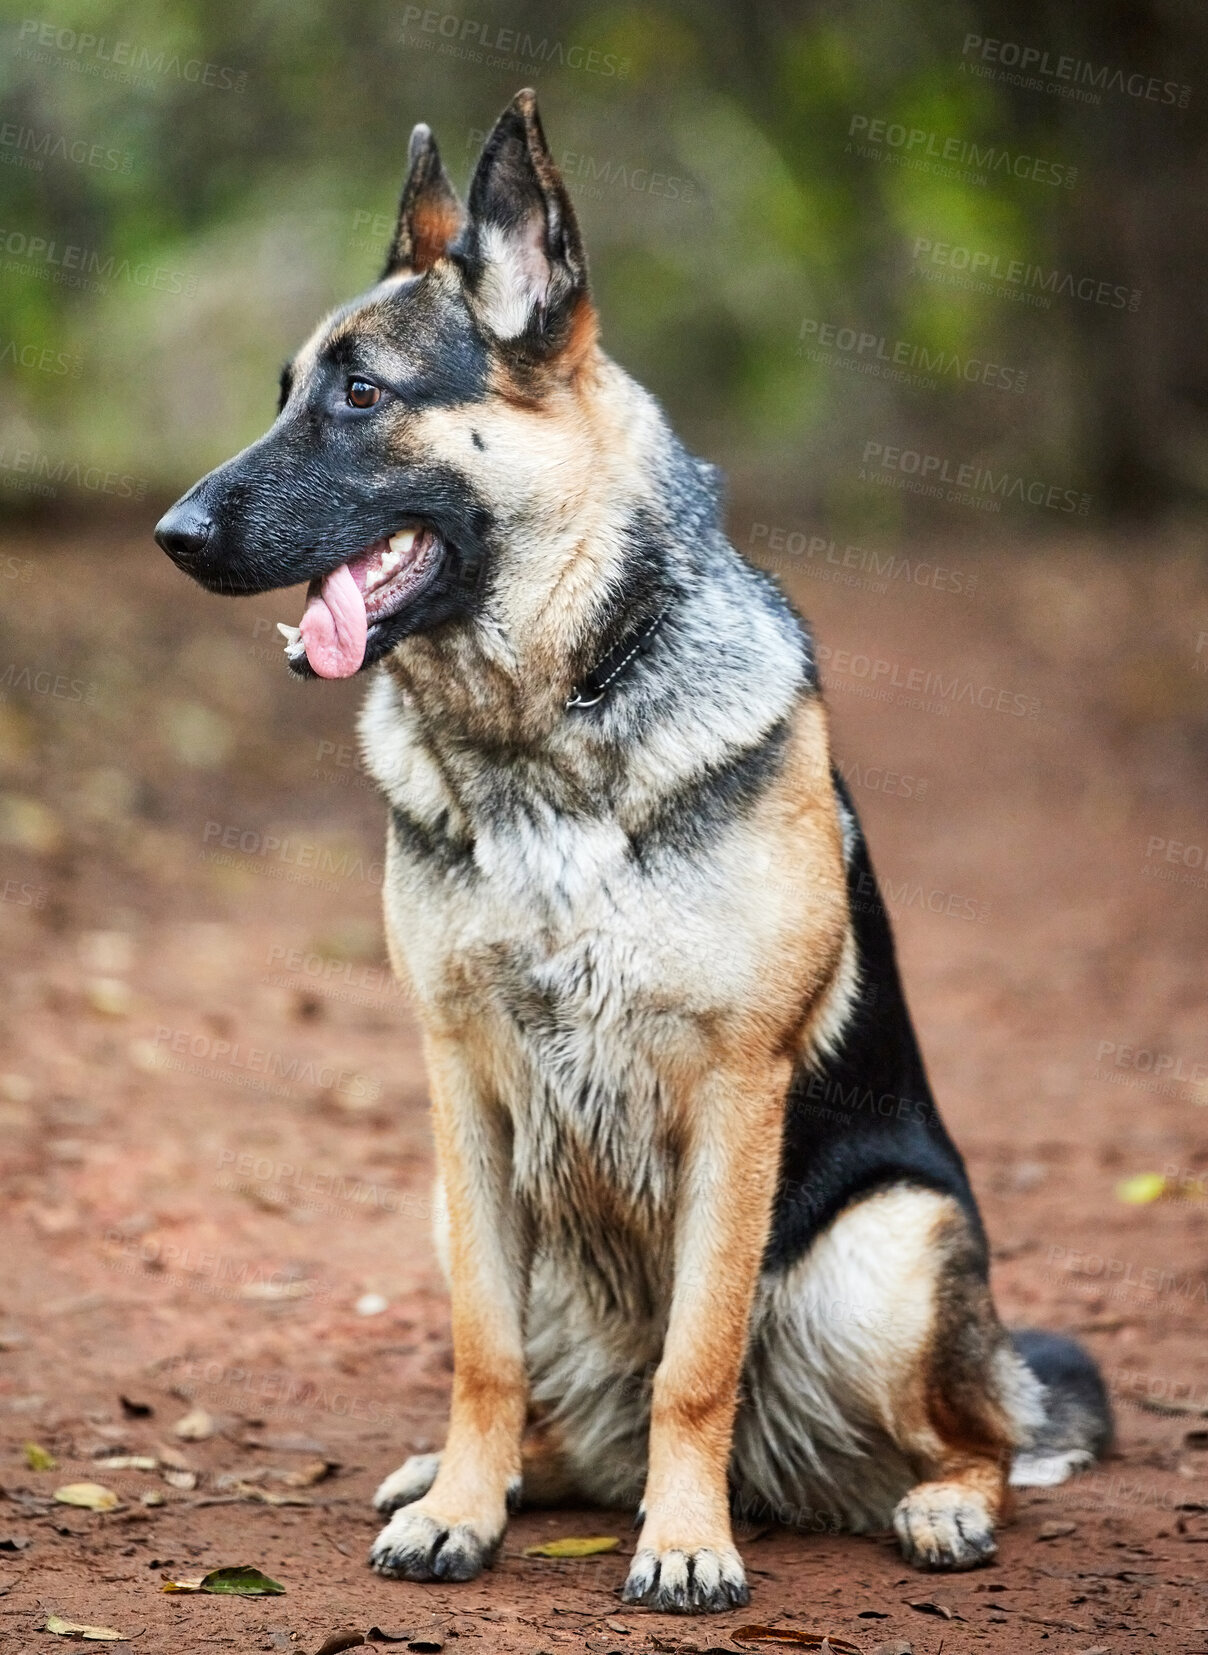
(361, 394)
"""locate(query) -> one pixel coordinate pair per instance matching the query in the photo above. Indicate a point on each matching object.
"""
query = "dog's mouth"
(345, 607)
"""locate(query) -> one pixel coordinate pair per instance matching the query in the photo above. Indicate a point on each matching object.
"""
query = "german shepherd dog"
(709, 1245)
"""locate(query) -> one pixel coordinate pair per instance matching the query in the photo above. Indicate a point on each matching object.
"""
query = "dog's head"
(413, 436)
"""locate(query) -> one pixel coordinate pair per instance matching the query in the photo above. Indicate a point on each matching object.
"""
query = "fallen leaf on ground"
(1155, 1405)
(240, 1581)
(339, 1641)
(74, 1629)
(93, 1496)
(314, 1471)
(285, 1444)
(575, 1546)
(928, 1606)
(196, 1426)
(180, 1479)
(172, 1457)
(427, 1637)
(253, 1491)
(152, 1497)
(38, 1458)
(111, 996)
(790, 1635)
(128, 1462)
(1141, 1189)
(1055, 1531)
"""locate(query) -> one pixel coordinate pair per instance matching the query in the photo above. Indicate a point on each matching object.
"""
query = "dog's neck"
(571, 590)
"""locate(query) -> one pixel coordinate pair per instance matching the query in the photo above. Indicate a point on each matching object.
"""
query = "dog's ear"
(522, 256)
(430, 215)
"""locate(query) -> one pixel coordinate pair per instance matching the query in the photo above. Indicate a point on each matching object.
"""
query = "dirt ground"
(216, 1161)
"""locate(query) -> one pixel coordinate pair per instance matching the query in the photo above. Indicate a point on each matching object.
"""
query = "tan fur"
(728, 1178)
(487, 1261)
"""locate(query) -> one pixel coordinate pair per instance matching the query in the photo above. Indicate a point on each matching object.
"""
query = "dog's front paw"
(410, 1482)
(701, 1582)
(944, 1526)
(418, 1544)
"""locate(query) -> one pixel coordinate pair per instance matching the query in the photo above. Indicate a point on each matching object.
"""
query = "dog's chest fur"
(583, 980)
(530, 947)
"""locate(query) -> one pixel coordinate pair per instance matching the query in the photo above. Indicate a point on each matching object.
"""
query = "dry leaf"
(196, 1426)
(798, 1640)
(93, 1496)
(1154, 1405)
(575, 1546)
(285, 1444)
(927, 1606)
(111, 996)
(73, 1629)
(339, 1641)
(128, 1462)
(152, 1497)
(314, 1471)
(418, 1640)
(1142, 1189)
(1055, 1531)
(252, 1491)
(179, 1479)
(242, 1581)
(172, 1457)
(38, 1458)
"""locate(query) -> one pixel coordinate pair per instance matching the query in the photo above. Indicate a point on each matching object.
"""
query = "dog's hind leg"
(882, 1386)
(963, 1414)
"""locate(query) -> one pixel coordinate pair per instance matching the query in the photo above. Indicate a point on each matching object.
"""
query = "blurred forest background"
(184, 189)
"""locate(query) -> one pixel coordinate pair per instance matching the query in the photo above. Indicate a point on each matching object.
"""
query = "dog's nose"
(183, 532)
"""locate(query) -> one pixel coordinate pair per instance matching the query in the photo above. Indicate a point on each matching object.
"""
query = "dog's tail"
(1076, 1427)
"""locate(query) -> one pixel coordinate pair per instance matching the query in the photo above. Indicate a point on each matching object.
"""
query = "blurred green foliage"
(226, 169)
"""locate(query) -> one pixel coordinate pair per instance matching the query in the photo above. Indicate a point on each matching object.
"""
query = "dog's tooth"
(403, 541)
(291, 634)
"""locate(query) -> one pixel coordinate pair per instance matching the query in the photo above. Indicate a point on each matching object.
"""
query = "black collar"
(604, 674)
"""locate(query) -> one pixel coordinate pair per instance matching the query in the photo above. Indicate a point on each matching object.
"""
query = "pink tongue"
(334, 626)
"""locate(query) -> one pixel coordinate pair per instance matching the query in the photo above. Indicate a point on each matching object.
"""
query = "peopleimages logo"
(875, 353)
(86, 267)
(979, 271)
(124, 61)
(37, 145)
(475, 39)
(1069, 77)
(963, 482)
(865, 131)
